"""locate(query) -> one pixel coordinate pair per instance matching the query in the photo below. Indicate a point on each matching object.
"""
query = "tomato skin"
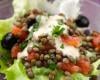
(19, 32)
(84, 65)
(23, 35)
(31, 56)
(70, 67)
(15, 50)
(96, 42)
(16, 30)
(71, 40)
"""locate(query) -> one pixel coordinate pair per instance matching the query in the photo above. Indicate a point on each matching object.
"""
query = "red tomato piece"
(16, 30)
(96, 42)
(32, 55)
(23, 35)
(71, 40)
(20, 33)
(84, 65)
(70, 67)
(15, 50)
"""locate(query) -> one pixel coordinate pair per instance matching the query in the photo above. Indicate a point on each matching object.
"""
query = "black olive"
(8, 41)
(30, 21)
(82, 21)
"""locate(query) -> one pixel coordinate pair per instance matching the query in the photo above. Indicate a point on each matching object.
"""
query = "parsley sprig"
(57, 30)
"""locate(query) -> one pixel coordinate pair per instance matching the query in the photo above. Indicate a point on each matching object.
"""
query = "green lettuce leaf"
(59, 75)
(16, 71)
(95, 66)
(41, 77)
(79, 76)
(3, 67)
(41, 71)
(42, 74)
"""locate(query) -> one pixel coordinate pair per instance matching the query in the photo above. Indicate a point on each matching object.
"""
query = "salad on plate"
(38, 45)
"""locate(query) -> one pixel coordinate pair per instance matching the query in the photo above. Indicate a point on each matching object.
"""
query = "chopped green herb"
(23, 45)
(62, 46)
(57, 30)
(52, 66)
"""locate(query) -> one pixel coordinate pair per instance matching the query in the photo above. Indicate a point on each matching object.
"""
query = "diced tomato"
(84, 65)
(96, 42)
(20, 33)
(74, 69)
(70, 67)
(23, 35)
(15, 50)
(31, 56)
(71, 40)
(16, 30)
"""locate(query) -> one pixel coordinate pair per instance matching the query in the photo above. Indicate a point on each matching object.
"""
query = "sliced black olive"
(8, 41)
(30, 21)
(82, 21)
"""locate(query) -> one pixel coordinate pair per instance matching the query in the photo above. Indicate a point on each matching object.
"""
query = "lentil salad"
(53, 44)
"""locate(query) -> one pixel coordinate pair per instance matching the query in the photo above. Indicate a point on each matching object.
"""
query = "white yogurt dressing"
(24, 52)
(46, 27)
(67, 50)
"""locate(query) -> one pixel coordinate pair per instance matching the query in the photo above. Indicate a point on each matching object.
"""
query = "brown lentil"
(45, 64)
(52, 51)
(70, 32)
(33, 62)
(30, 74)
(52, 42)
(68, 78)
(38, 63)
(67, 73)
(58, 52)
(46, 57)
(51, 76)
(30, 49)
(41, 57)
(27, 64)
(44, 40)
(58, 57)
(36, 49)
(52, 56)
(89, 38)
(37, 56)
(65, 60)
